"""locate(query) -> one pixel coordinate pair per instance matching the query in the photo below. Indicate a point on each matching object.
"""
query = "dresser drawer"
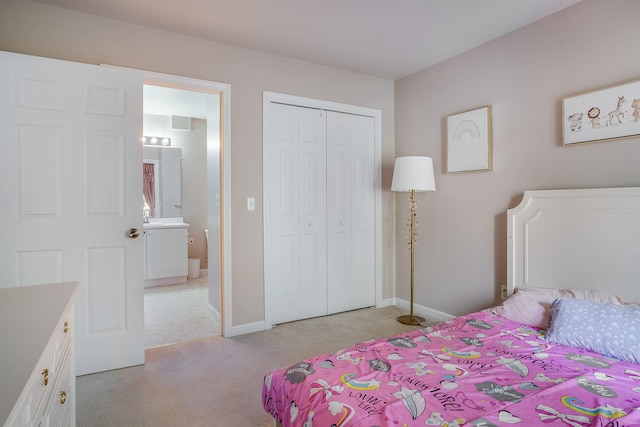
(62, 337)
(37, 394)
(48, 391)
(59, 410)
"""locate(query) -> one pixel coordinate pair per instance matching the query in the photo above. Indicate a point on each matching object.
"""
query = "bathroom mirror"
(162, 182)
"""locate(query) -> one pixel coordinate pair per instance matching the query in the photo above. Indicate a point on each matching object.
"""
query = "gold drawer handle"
(65, 328)
(45, 377)
(63, 397)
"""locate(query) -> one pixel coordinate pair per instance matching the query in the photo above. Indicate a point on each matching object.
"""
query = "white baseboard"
(386, 302)
(165, 281)
(424, 311)
(420, 310)
(215, 313)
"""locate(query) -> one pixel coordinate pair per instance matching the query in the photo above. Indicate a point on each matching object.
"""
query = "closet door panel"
(313, 207)
(284, 235)
(297, 231)
(363, 215)
(350, 211)
(339, 165)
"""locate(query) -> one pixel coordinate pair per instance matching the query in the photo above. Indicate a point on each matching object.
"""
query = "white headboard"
(576, 239)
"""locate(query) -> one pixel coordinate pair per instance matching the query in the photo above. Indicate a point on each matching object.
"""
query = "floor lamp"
(412, 174)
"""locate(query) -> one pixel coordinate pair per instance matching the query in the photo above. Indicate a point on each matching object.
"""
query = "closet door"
(350, 211)
(296, 270)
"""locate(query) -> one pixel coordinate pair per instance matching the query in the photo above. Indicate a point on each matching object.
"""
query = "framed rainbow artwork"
(469, 141)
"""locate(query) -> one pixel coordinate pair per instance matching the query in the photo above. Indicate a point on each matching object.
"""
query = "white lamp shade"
(413, 173)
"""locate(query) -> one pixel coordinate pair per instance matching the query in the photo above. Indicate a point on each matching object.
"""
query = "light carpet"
(216, 381)
(178, 313)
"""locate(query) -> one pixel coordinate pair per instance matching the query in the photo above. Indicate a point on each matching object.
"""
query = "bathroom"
(183, 121)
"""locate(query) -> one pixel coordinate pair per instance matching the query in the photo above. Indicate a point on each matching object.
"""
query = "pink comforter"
(476, 370)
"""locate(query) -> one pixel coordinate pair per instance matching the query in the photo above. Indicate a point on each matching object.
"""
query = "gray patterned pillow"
(609, 329)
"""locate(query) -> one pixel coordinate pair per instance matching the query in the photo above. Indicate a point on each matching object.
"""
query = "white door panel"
(313, 265)
(70, 178)
(350, 211)
(296, 255)
(283, 253)
(363, 214)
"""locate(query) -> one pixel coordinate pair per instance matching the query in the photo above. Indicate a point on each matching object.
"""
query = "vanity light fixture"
(156, 140)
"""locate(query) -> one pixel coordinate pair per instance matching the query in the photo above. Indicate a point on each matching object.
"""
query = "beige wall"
(461, 257)
(37, 29)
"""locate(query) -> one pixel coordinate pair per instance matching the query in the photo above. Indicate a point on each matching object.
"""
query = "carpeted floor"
(216, 381)
(178, 313)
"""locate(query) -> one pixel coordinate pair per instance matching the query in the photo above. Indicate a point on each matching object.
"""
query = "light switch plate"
(251, 203)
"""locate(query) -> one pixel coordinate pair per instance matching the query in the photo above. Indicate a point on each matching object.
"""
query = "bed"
(562, 350)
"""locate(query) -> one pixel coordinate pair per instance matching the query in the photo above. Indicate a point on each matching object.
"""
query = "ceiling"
(166, 101)
(390, 39)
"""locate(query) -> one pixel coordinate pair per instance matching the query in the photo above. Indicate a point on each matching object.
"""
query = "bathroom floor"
(178, 313)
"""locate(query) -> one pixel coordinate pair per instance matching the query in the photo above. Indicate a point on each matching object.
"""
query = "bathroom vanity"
(165, 251)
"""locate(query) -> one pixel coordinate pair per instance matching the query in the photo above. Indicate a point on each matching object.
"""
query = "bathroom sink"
(164, 223)
(149, 226)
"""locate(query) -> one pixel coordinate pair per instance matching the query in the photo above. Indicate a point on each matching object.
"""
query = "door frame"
(224, 91)
(269, 98)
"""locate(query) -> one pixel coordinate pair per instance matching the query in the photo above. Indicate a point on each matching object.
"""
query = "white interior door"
(350, 211)
(296, 256)
(70, 180)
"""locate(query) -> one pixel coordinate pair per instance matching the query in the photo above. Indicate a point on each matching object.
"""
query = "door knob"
(133, 233)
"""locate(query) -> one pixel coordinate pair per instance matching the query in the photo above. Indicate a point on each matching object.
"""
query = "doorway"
(193, 112)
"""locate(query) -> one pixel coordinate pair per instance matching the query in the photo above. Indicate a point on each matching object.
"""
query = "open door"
(71, 196)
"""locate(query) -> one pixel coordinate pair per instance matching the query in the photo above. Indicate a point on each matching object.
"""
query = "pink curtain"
(148, 189)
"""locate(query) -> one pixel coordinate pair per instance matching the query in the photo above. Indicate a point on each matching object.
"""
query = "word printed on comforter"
(477, 370)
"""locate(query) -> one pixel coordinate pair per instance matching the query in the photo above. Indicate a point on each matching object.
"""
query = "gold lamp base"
(408, 319)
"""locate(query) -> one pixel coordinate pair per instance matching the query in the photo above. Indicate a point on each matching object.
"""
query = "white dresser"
(37, 378)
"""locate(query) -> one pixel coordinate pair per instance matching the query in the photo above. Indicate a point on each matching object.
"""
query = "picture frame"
(602, 115)
(469, 145)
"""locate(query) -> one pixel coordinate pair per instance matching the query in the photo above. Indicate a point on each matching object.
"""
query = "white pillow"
(522, 308)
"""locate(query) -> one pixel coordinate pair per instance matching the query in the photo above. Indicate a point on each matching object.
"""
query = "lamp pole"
(411, 319)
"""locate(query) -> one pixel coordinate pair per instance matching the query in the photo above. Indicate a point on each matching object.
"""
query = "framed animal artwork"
(602, 115)
(469, 141)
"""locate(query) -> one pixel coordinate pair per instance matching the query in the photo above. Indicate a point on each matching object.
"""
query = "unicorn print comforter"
(476, 370)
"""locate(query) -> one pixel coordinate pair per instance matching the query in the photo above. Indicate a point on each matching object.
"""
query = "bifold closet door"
(350, 211)
(297, 251)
